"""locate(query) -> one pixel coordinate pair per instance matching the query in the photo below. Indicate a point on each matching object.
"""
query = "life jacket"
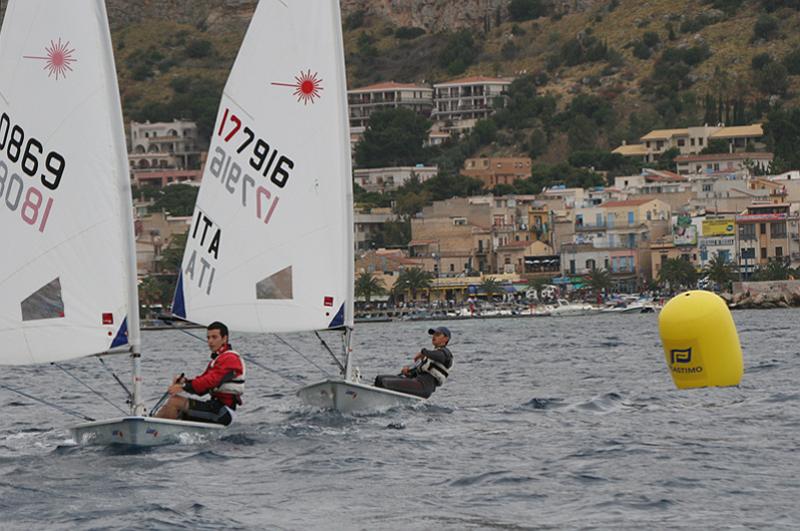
(232, 384)
(438, 370)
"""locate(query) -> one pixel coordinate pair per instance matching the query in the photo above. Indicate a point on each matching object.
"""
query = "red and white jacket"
(223, 378)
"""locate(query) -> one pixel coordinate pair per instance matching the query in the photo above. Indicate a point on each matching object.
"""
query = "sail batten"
(270, 245)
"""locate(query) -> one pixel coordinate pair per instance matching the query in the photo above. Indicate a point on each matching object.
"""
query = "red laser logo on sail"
(58, 59)
(307, 86)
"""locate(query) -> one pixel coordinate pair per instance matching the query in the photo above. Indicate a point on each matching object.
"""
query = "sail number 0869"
(27, 154)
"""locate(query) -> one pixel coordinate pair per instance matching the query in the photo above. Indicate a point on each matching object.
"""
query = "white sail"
(65, 277)
(270, 246)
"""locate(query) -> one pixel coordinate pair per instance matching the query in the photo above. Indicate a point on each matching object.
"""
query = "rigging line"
(324, 344)
(269, 369)
(323, 371)
(204, 340)
(247, 357)
(45, 402)
(106, 367)
(87, 386)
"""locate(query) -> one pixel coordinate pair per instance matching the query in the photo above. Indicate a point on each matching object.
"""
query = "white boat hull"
(350, 397)
(142, 431)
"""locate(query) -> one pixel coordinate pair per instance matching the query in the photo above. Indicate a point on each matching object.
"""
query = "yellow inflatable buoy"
(700, 341)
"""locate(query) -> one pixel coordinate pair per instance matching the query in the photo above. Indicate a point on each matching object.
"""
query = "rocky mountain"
(645, 64)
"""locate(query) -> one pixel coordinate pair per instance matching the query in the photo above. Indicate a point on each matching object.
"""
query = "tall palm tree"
(719, 271)
(677, 273)
(599, 280)
(367, 285)
(491, 287)
(412, 280)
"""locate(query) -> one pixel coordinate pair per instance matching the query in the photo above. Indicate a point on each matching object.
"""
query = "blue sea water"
(546, 423)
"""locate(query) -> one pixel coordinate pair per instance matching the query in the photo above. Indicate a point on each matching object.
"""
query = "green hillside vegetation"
(168, 70)
(586, 81)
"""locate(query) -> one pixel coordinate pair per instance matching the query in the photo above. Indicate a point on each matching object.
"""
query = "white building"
(466, 100)
(692, 140)
(364, 101)
(164, 145)
(723, 162)
(389, 179)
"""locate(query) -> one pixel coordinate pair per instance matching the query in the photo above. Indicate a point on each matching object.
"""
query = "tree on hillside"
(411, 202)
(766, 28)
(485, 131)
(446, 186)
(666, 161)
(393, 234)
(720, 272)
(367, 286)
(520, 10)
(773, 79)
(792, 62)
(582, 134)
(459, 52)
(525, 108)
(677, 273)
(715, 145)
(394, 137)
(176, 199)
(571, 177)
(783, 136)
(595, 108)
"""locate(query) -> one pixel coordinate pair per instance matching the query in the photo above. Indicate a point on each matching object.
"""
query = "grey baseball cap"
(441, 329)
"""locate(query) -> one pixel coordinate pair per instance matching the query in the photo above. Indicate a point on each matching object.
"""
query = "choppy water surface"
(546, 423)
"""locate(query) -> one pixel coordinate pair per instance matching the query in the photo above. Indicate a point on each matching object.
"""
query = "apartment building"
(767, 232)
(164, 145)
(723, 162)
(717, 238)
(615, 236)
(367, 224)
(159, 178)
(388, 179)
(692, 140)
(460, 235)
(466, 100)
(364, 101)
(674, 189)
(497, 170)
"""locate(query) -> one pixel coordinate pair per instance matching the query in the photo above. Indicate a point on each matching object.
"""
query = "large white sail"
(65, 277)
(270, 246)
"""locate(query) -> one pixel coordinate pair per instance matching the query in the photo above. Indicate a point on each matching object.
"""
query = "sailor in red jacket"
(223, 379)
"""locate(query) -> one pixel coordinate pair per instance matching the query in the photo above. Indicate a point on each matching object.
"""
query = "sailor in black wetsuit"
(429, 372)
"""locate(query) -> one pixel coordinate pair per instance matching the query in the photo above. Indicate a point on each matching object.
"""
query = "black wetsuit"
(417, 383)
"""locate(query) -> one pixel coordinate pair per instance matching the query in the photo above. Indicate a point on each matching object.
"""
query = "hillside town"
(721, 209)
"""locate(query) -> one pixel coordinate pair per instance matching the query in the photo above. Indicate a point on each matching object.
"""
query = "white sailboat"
(68, 289)
(270, 248)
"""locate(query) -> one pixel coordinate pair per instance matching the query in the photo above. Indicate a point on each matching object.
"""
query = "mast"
(126, 211)
(347, 174)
